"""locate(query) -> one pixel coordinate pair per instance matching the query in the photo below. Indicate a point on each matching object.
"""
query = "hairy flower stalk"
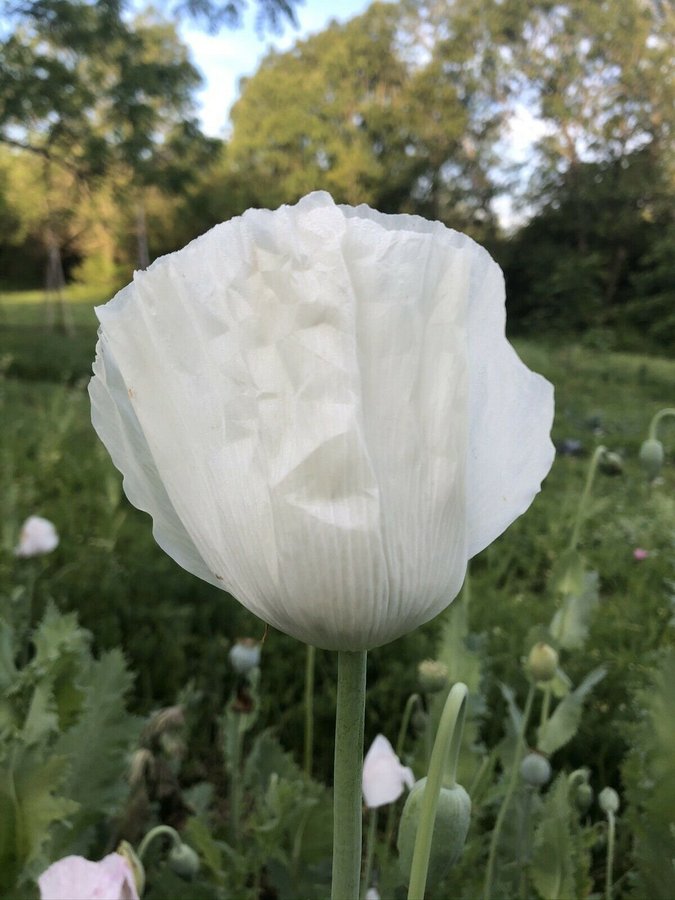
(318, 407)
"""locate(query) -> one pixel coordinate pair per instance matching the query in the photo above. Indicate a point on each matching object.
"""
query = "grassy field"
(175, 630)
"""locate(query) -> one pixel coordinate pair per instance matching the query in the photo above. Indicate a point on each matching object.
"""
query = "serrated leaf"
(57, 636)
(564, 722)
(7, 654)
(97, 746)
(567, 574)
(41, 719)
(569, 626)
(29, 806)
(552, 869)
(267, 758)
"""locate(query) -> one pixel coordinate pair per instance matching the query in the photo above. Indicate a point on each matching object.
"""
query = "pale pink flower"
(38, 536)
(640, 554)
(383, 775)
(76, 878)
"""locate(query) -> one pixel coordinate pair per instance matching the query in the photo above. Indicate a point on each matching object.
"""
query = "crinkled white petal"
(76, 878)
(384, 778)
(292, 399)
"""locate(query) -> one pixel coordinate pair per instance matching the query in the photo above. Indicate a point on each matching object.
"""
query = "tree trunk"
(142, 237)
(57, 311)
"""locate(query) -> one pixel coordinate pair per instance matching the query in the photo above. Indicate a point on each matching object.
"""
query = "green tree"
(352, 110)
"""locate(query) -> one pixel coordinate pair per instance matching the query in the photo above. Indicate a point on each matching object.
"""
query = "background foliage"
(408, 107)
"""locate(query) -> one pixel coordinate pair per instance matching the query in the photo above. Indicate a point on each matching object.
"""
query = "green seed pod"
(535, 770)
(542, 662)
(432, 676)
(651, 457)
(608, 800)
(453, 816)
(184, 861)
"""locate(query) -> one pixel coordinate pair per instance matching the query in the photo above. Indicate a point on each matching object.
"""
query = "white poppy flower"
(319, 409)
(76, 878)
(38, 536)
(383, 775)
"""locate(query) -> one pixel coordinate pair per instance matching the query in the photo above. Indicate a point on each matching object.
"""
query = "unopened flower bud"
(608, 800)
(184, 861)
(651, 457)
(535, 770)
(419, 720)
(583, 796)
(127, 851)
(453, 817)
(432, 676)
(610, 463)
(542, 662)
(245, 655)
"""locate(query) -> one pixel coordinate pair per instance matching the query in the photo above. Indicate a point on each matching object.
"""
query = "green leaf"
(569, 626)
(553, 867)
(41, 720)
(563, 724)
(97, 747)
(29, 806)
(568, 573)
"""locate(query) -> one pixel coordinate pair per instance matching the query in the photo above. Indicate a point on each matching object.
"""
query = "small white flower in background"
(76, 878)
(383, 775)
(372, 894)
(245, 655)
(38, 536)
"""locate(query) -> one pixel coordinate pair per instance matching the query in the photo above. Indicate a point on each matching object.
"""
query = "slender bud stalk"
(349, 720)
(585, 496)
(158, 831)
(446, 747)
(370, 847)
(654, 424)
(412, 701)
(506, 802)
(611, 834)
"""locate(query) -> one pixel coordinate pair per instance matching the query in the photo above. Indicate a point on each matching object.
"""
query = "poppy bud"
(535, 770)
(583, 796)
(542, 662)
(608, 800)
(453, 816)
(651, 457)
(184, 861)
(432, 676)
(245, 655)
(611, 463)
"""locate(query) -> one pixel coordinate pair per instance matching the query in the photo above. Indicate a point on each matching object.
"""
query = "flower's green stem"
(310, 662)
(545, 705)
(351, 702)
(236, 736)
(611, 832)
(370, 848)
(412, 701)
(157, 832)
(446, 747)
(654, 425)
(585, 496)
(506, 802)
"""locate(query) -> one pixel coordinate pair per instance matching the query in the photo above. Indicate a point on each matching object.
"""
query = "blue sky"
(225, 57)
